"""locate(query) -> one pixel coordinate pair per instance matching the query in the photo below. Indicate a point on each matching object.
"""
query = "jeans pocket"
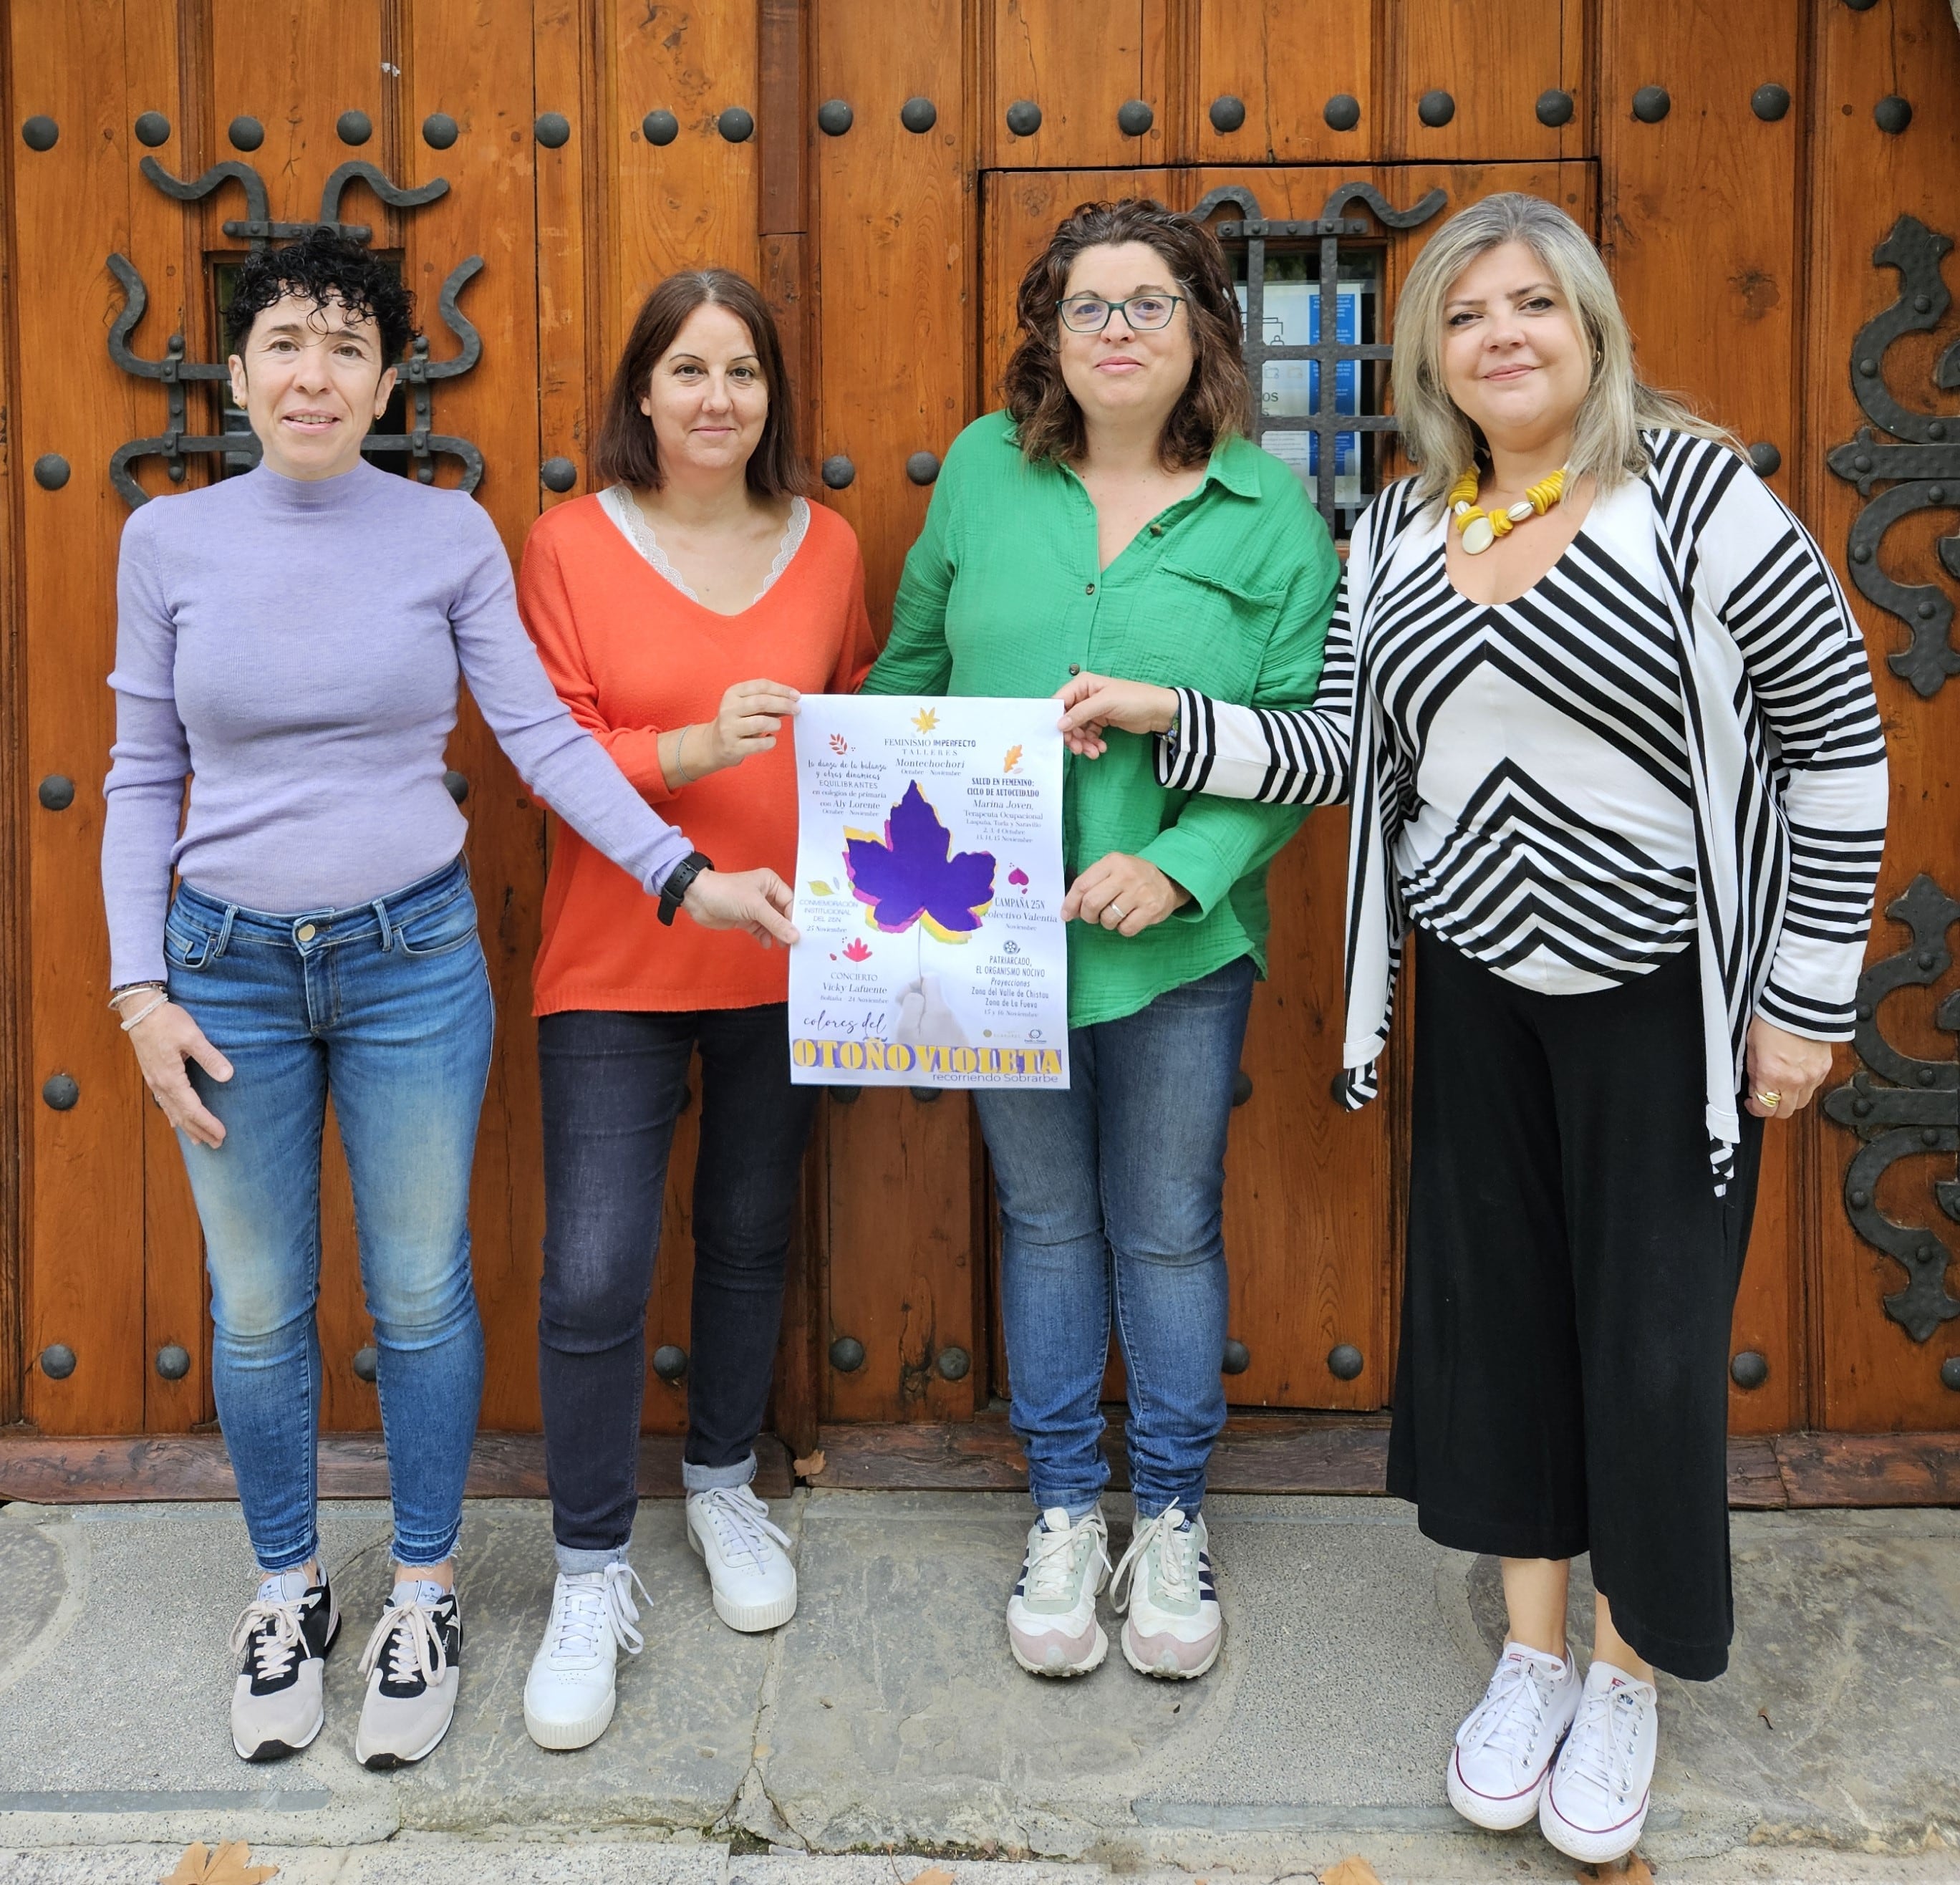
(187, 943)
(436, 932)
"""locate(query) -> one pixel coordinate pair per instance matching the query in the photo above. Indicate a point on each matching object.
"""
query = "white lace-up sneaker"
(1506, 1746)
(570, 1694)
(748, 1558)
(283, 1635)
(1051, 1625)
(1173, 1627)
(1595, 1801)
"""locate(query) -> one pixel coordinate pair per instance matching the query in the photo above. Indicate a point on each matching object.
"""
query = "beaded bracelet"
(143, 1013)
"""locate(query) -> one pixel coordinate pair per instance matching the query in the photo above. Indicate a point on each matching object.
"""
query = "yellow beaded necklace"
(1480, 528)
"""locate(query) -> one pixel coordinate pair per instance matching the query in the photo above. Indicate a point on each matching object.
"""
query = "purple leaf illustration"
(1018, 878)
(911, 877)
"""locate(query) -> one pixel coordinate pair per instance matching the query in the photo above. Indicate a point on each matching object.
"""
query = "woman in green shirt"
(1114, 518)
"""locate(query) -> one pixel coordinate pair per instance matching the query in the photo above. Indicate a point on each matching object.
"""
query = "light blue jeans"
(1112, 1201)
(387, 1007)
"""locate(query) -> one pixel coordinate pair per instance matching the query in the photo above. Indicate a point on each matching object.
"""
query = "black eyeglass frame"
(1122, 307)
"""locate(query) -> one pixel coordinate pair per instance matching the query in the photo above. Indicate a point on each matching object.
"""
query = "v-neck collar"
(618, 503)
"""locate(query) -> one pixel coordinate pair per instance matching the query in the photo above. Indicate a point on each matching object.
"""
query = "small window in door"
(232, 422)
(1289, 388)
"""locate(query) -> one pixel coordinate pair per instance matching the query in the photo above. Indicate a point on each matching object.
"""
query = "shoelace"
(1054, 1560)
(276, 1626)
(413, 1643)
(742, 1525)
(587, 1613)
(1605, 1760)
(1498, 1722)
(1177, 1559)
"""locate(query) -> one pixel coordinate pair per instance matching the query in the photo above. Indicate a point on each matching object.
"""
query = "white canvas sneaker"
(748, 1558)
(1595, 1801)
(570, 1694)
(1051, 1625)
(1173, 1627)
(1507, 1742)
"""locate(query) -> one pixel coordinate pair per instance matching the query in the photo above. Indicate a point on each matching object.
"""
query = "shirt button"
(1088, 589)
(1073, 669)
(306, 932)
(1156, 529)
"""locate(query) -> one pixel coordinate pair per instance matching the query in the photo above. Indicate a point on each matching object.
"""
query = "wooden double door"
(537, 167)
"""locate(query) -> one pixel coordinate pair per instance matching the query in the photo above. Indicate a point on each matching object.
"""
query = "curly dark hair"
(323, 267)
(1216, 403)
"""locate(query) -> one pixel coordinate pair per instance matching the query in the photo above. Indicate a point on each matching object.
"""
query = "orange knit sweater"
(631, 655)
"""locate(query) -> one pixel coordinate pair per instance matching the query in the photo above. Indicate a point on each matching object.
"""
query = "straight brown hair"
(626, 453)
(1215, 405)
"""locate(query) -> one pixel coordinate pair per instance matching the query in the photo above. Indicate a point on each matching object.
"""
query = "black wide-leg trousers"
(1563, 1380)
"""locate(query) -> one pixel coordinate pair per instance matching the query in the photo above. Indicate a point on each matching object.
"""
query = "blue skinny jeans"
(1111, 1200)
(387, 1007)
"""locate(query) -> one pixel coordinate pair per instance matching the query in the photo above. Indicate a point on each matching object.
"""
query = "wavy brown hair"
(626, 452)
(1215, 404)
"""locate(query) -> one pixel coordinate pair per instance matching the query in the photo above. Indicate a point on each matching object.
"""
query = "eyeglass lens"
(1089, 313)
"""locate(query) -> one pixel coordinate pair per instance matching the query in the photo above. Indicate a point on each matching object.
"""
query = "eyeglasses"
(1090, 314)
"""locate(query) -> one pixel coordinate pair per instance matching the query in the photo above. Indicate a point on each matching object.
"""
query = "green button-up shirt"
(1228, 591)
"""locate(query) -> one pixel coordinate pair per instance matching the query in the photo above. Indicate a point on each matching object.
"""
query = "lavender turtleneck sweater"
(296, 647)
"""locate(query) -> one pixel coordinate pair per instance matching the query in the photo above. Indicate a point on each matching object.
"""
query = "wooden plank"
(1079, 65)
(1283, 60)
(352, 1466)
(1769, 1319)
(693, 203)
(567, 55)
(1709, 194)
(1867, 1469)
(1873, 1375)
(71, 206)
(785, 121)
(477, 65)
(1755, 1479)
(16, 1081)
(297, 67)
(1494, 59)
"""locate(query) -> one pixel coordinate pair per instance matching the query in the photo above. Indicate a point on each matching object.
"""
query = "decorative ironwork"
(1324, 422)
(1911, 1107)
(1923, 471)
(418, 373)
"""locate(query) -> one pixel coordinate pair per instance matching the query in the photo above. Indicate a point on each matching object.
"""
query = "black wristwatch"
(678, 878)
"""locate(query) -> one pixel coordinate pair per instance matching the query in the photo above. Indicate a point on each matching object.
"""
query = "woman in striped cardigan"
(1608, 730)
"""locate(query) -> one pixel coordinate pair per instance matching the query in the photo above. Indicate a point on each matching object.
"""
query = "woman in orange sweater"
(653, 604)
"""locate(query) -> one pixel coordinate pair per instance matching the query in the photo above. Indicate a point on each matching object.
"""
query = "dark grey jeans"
(612, 1085)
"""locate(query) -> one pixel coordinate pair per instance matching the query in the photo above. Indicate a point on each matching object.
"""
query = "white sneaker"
(569, 1695)
(1174, 1626)
(1596, 1802)
(748, 1558)
(1507, 1742)
(1051, 1625)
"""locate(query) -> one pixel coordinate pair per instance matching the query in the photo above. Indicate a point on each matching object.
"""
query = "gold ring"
(1771, 1100)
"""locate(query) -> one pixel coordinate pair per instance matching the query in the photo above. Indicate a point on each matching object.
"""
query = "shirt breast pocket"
(1211, 628)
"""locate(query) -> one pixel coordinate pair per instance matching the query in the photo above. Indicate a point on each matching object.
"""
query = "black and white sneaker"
(283, 1635)
(412, 1664)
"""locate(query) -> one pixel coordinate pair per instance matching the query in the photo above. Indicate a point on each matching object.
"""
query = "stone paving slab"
(890, 1712)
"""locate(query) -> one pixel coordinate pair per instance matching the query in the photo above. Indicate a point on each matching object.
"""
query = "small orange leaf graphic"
(810, 1465)
(925, 719)
(1013, 759)
(230, 1864)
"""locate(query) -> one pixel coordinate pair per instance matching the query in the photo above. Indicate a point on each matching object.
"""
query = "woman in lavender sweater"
(293, 638)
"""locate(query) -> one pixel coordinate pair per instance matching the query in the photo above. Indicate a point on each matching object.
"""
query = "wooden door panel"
(1699, 220)
(71, 205)
(1872, 1376)
(1492, 61)
(1079, 66)
(1285, 61)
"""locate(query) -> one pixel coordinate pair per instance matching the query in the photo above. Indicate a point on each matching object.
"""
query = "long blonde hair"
(1437, 436)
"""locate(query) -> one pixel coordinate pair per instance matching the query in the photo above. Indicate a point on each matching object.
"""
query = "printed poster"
(929, 893)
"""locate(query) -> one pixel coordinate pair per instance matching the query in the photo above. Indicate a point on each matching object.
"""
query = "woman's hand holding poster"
(929, 894)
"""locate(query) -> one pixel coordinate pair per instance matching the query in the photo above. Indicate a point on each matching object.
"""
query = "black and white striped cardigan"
(1784, 743)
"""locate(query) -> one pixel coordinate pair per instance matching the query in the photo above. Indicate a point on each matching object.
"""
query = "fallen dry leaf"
(1633, 1870)
(933, 1875)
(229, 1865)
(810, 1466)
(1763, 1715)
(1353, 1871)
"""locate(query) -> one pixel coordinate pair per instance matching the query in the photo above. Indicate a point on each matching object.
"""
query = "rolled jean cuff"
(427, 1557)
(695, 1478)
(286, 1560)
(1078, 1508)
(573, 1562)
(1148, 1507)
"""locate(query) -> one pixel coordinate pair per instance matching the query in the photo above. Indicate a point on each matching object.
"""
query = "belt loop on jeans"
(380, 908)
(224, 936)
